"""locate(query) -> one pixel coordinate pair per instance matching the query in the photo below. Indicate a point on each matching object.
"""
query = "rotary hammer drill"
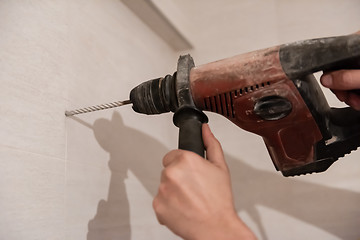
(271, 92)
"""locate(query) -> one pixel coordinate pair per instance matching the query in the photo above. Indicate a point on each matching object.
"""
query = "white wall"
(75, 178)
(94, 176)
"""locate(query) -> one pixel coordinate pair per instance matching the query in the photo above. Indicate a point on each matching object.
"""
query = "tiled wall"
(94, 176)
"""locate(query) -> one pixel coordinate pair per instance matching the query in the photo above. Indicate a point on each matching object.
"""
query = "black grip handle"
(301, 58)
(346, 117)
(190, 120)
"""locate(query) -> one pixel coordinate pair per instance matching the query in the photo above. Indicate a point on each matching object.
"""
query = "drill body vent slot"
(224, 103)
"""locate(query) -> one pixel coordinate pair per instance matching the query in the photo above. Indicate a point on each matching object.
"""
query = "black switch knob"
(272, 107)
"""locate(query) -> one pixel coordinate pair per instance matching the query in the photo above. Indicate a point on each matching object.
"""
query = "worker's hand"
(195, 199)
(343, 83)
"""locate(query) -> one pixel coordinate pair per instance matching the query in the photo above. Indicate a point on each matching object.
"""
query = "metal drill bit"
(97, 108)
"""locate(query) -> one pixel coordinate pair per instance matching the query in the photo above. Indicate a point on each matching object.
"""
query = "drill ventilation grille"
(224, 103)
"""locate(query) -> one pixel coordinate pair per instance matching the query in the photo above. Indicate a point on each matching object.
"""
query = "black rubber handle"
(190, 120)
(301, 58)
(346, 117)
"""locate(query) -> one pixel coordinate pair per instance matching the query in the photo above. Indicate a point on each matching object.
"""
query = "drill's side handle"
(190, 120)
(187, 116)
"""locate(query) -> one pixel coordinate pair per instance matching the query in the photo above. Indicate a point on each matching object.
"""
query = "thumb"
(214, 152)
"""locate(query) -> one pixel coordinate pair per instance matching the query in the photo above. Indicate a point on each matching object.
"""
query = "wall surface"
(94, 176)
(87, 177)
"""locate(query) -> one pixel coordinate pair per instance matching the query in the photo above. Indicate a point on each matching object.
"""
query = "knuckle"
(162, 189)
(171, 157)
(170, 175)
(167, 158)
(185, 156)
(188, 160)
(171, 153)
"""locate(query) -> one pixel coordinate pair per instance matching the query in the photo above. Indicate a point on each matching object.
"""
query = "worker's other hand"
(195, 199)
(343, 84)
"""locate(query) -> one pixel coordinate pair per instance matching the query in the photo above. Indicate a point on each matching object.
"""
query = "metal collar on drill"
(183, 92)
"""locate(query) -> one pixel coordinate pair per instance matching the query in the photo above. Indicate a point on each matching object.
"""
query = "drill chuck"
(155, 96)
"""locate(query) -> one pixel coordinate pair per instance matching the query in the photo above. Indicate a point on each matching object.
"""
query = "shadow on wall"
(112, 218)
(331, 209)
(327, 208)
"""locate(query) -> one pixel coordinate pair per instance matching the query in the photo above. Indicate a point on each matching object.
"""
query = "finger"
(353, 100)
(178, 155)
(157, 206)
(341, 80)
(171, 157)
(214, 152)
(341, 95)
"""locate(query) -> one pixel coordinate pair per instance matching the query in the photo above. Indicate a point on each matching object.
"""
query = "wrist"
(230, 228)
(238, 230)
